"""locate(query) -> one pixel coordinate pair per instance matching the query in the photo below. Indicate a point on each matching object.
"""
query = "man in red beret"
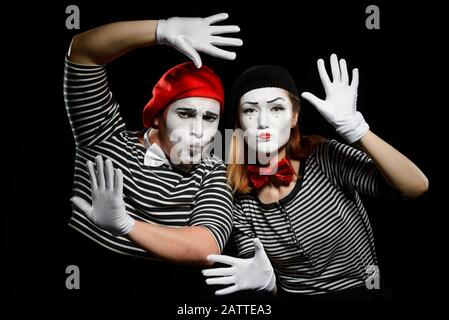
(159, 195)
(191, 100)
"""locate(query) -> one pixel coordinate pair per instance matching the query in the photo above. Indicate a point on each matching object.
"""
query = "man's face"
(266, 116)
(188, 127)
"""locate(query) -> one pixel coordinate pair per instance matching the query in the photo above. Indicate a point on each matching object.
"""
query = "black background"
(399, 95)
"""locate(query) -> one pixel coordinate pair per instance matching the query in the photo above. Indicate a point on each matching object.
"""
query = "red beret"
(183, 81)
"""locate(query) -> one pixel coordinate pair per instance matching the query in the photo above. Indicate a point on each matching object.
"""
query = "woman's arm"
(106, 43)
(399, 172)
(339, 108)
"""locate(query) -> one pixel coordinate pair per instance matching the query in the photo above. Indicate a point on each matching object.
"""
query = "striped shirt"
(318, 238)
(159, 195)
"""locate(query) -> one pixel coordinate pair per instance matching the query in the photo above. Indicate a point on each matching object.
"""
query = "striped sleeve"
(353, 170)
(243, 232)
(213, 206)
(93, 113)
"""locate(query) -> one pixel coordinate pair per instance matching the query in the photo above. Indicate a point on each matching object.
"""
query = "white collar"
(154, 156)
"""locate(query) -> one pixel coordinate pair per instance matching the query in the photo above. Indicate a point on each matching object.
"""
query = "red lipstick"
(264, 136)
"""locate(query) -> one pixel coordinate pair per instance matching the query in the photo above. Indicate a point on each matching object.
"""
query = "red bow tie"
(259, 176)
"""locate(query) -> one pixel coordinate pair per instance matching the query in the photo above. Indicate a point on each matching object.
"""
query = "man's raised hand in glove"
(340, 106)
(108, 209)
(243, 274)
(193, 35)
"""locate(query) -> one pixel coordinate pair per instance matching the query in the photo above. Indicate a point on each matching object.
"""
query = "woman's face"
(189, 126)
(266, 117)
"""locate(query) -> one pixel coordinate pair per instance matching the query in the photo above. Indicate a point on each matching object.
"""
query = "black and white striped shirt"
(318, 238)
(157, 195)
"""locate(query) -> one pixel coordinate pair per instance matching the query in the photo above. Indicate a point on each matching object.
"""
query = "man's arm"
(92, 110)
(189, 245)
(210, 225)
(106, 43)
(188, 35)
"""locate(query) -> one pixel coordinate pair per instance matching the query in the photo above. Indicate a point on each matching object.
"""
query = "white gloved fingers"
(100, 172)
(355, 78)
(314, 100)
(227, 290)
(109, 175)
(92, 175)
(259, 252)
(260, 256)
(118, 183)
(84, 207)
(219, 53)
(193, 35)
(217, 18)
(257, 244)
(221, 280)
(340, 106)
(344, 72)
(218, 272)
(224, 41)
(184, 45)
(108, 210)
(323, 75)
(336, 76)
(214, 30)
(223, 259)
(251, 273)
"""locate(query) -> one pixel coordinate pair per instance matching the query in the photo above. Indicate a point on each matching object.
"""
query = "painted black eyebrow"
(189, 110)
(279, 98)
(271, 101)
(193, 111)
(208, 113)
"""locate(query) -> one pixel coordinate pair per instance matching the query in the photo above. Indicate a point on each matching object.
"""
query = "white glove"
(340, 108)
(190, 35)
(108, 209)
(254, 273)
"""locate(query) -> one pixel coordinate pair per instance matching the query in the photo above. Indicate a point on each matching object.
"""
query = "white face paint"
(190, 126)
(266, 117)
